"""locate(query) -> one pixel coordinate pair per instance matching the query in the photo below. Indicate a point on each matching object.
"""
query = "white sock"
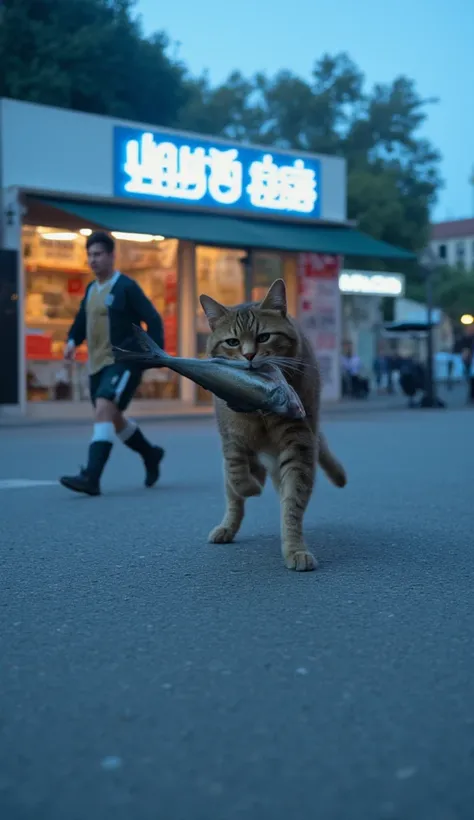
(103, 431)
(127, 431)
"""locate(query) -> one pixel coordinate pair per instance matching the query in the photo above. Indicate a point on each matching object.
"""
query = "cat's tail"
(329, 463)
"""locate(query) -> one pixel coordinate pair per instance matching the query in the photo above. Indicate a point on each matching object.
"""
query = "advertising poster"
(319, 315)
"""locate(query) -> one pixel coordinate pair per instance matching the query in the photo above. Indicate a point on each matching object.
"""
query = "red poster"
(38, 346)
(320, 265)
(76, 286)
(171, 289)
(319, 315)
(171, 335)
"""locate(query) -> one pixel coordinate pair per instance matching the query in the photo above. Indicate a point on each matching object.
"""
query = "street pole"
(429, 263)
(471, 183)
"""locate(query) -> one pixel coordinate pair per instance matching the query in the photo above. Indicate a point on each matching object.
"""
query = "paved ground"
(146, 675)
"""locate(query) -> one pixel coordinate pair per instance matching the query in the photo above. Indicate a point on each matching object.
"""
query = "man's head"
(101, 254)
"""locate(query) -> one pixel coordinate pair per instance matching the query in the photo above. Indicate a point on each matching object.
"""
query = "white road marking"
(23, 483)
(111, 763)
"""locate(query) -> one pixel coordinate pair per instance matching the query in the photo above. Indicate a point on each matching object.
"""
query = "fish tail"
(150, 353)
(121, 355)
(146, 343)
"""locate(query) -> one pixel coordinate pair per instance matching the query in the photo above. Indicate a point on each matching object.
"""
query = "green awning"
(211, 229)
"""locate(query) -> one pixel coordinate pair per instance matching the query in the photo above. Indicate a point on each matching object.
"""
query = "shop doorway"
(231, 277)
(220, 273)
(265, 268)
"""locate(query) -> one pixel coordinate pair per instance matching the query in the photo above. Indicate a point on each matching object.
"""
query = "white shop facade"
(362, 321)
(190, 215)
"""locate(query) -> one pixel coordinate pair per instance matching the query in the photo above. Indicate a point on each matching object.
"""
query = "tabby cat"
(254, 443)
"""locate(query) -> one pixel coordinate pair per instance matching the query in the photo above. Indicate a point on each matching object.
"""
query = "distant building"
(453, 242)
(362, 315)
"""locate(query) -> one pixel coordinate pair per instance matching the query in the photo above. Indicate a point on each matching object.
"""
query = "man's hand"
(69, 351)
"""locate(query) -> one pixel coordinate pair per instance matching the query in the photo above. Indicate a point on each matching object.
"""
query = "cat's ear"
(213, 310)
(275, 298)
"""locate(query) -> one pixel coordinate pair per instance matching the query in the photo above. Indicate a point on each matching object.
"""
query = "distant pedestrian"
(471, 381)
(390, 369)
(412, 378)
(357, 383)
(380, 370)
(450, 369)
(467, 360)
(112, 304)
(464, 345)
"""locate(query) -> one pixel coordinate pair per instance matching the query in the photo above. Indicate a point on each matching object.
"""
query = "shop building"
(452, 242)
(362, 295)
(190, 214)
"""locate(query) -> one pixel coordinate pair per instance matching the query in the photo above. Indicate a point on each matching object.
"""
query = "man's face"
(100, 261)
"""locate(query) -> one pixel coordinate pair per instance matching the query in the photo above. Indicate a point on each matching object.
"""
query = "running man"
(111, 305)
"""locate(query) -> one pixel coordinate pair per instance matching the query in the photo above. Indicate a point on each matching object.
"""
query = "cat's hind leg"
(258, 470)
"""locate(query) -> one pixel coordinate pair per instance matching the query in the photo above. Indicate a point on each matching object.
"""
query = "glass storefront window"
(155, 267)
(266, 267)
(56, 275)
(220, 274)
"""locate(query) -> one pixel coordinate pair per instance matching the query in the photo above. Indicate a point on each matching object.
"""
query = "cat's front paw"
(221, 535)
(300, 561)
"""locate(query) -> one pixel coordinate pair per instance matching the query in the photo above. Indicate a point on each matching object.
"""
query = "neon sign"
(178, 169)
(375, 284)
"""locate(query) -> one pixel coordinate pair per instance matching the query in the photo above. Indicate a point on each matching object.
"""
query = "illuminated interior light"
(137, 237)
(66, 236)
(69, 236)
(467, 319)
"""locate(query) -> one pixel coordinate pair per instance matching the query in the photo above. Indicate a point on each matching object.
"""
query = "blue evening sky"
(431, 41)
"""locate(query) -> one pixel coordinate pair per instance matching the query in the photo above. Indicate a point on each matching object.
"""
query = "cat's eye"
(232, 342)
(263, 337)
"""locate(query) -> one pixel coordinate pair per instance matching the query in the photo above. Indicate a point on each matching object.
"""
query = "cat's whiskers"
(296, 363)
(285, 363)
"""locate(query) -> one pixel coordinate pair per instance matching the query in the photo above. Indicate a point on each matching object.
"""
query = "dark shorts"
(116, 382)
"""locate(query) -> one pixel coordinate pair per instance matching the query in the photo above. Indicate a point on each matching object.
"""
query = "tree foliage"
(92, 55)
(453, 291)
(392, 172)
(88, 55)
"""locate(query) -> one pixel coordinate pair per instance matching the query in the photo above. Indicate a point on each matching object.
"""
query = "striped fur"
(255, 445)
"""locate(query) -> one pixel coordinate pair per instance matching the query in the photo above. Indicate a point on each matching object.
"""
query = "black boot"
(152, 456)
(88, 480)
(152, 466)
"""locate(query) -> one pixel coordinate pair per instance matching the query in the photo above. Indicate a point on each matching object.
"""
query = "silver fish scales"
(243, 387)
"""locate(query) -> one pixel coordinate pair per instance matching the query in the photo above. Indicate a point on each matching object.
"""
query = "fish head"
(286, 402)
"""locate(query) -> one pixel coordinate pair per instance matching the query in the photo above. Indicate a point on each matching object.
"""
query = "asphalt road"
(147, 675)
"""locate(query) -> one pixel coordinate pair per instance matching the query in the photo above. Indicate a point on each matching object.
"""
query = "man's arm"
(142, 306)
(77, 331)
